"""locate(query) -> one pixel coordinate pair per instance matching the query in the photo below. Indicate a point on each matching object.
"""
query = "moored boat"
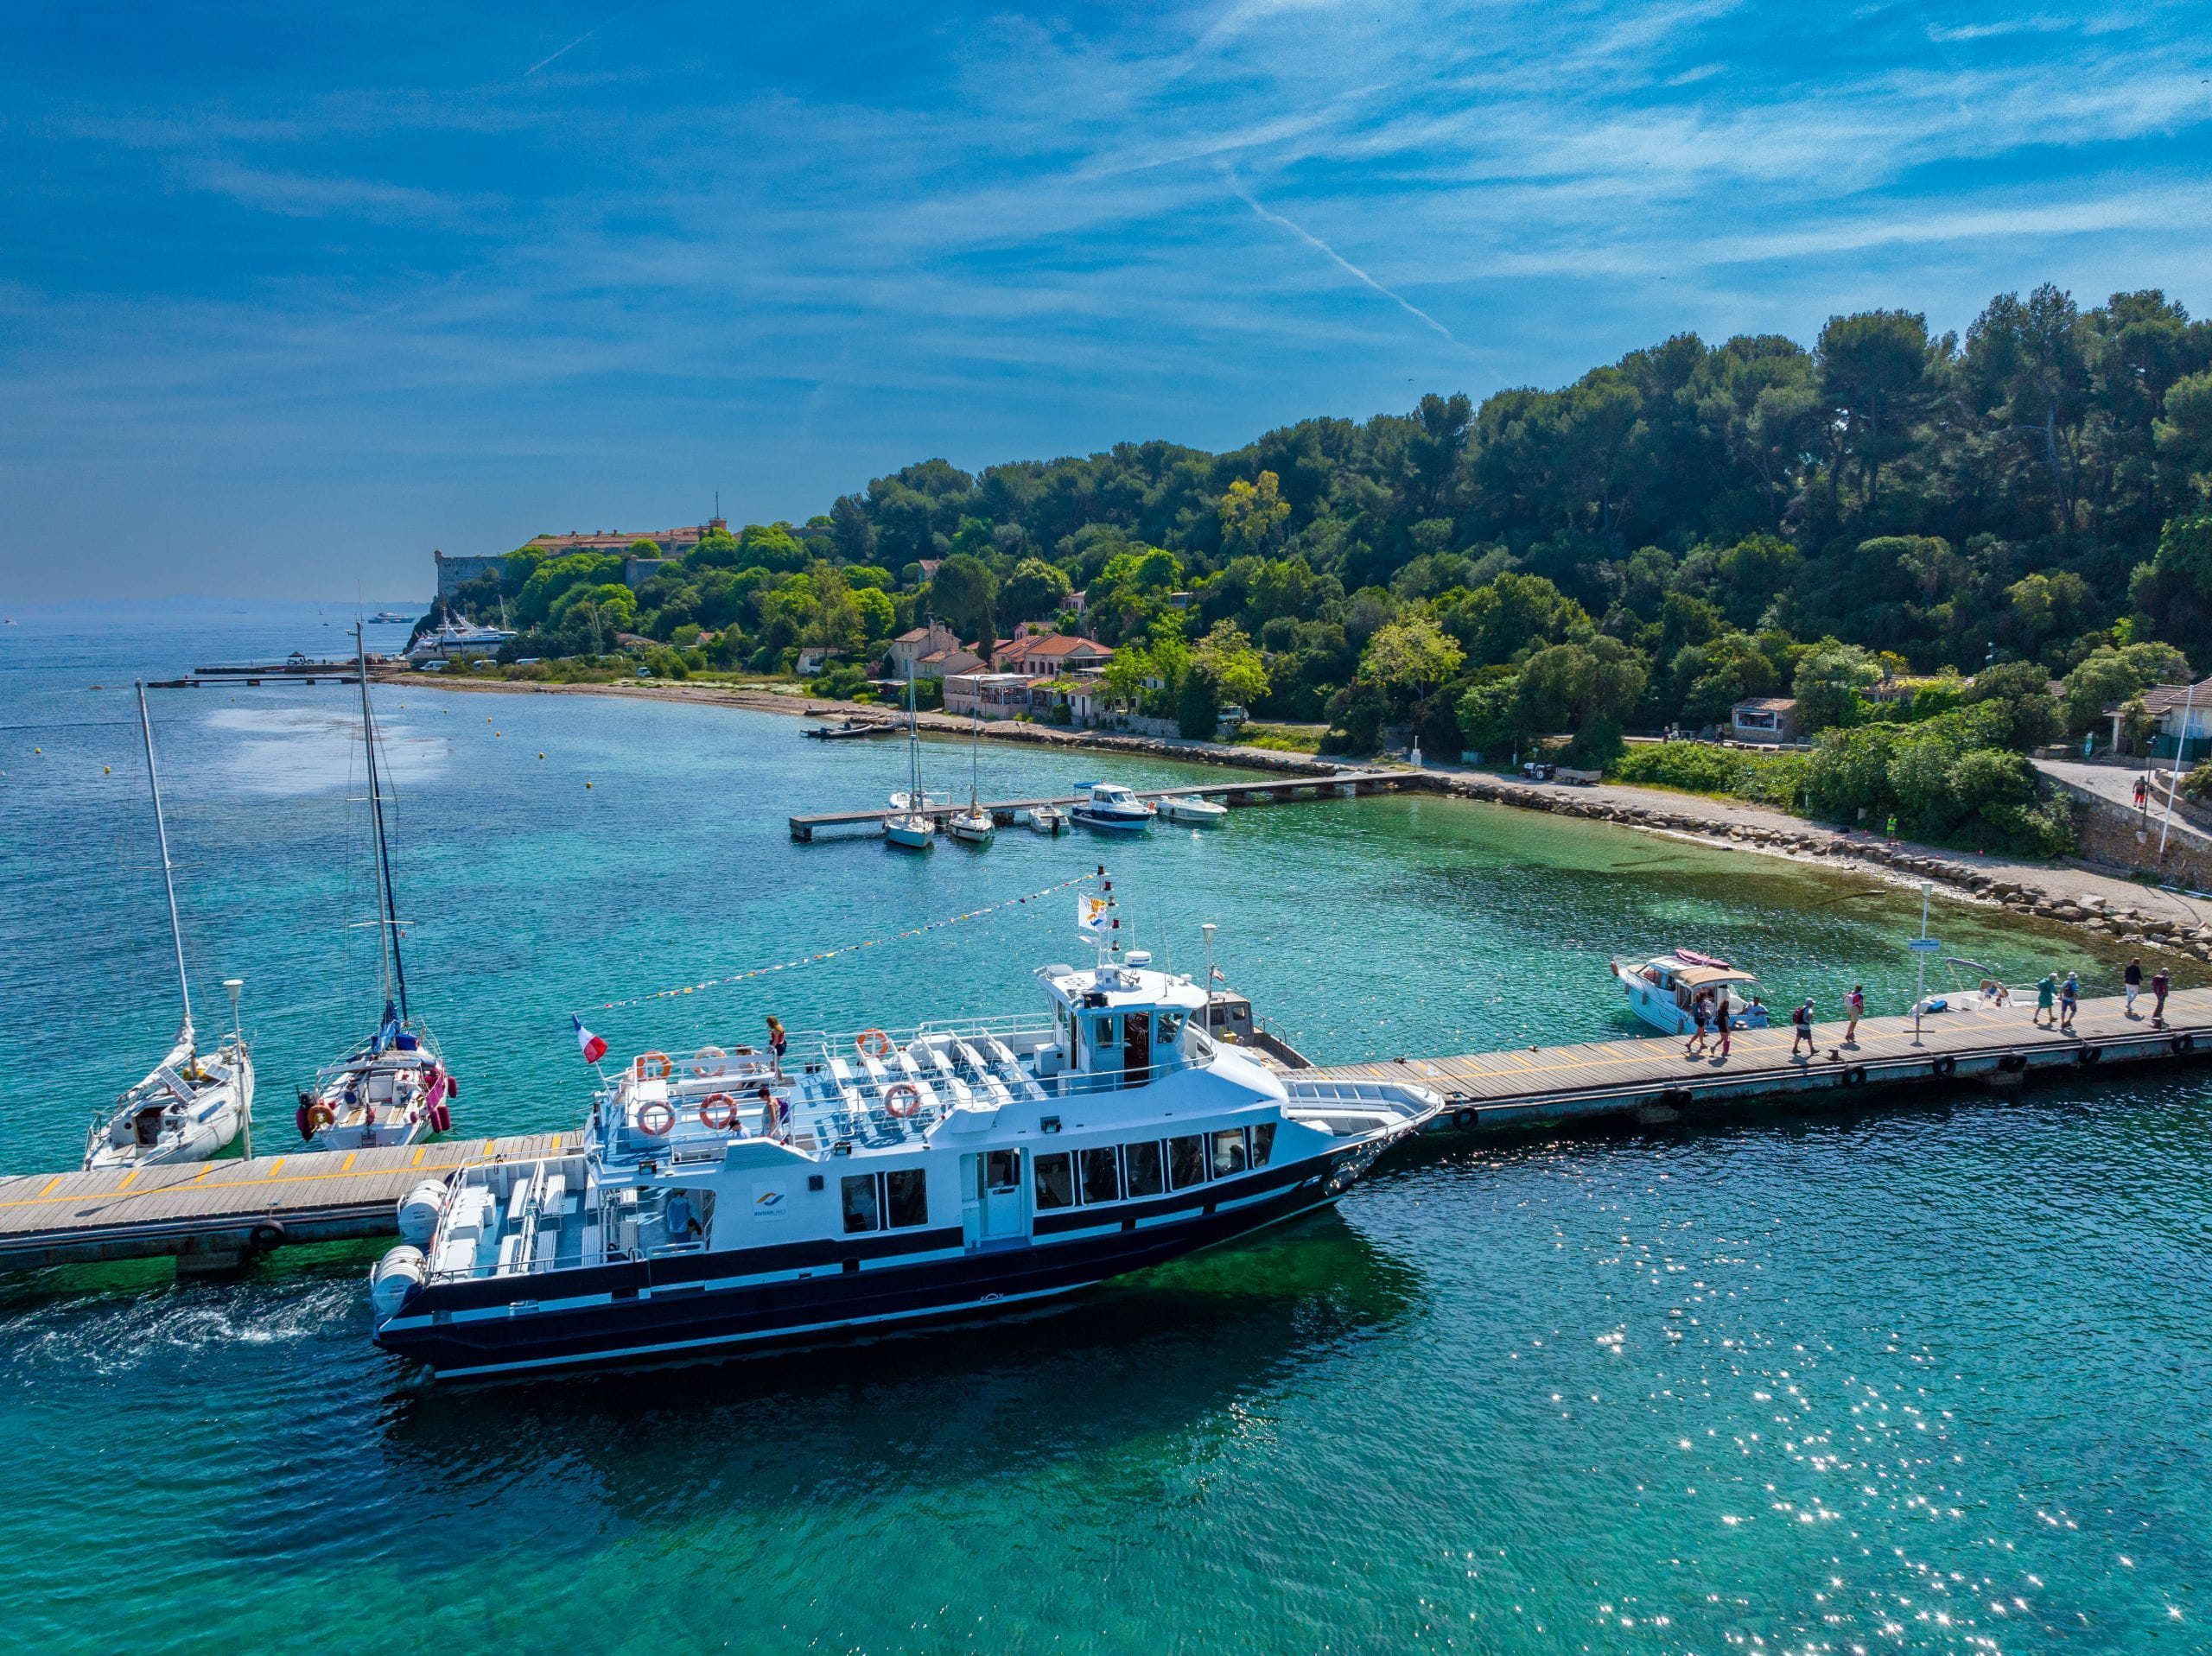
(393, 1089)
(1663, 990)
(956, 1169)
(909, 825)
(1110, 806)
(1047, 819)
(973, 826)
(190, 1106)
(1195, 810)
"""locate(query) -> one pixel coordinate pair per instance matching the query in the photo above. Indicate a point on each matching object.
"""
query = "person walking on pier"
(2142, 794)
(2046, 998)
(1854, 1004)
(1701, 1010)
(2133, 978)
(2069, 998)
(1800, 1025)
(2160, 983)
(1720, 1024)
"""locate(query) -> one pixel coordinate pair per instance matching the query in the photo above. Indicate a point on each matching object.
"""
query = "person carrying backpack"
(1801, 1023)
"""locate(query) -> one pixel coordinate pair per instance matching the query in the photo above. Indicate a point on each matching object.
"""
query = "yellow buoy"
(587, 784)
(105, 770)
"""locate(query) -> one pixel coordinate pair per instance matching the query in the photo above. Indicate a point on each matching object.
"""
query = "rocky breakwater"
(2106, 917)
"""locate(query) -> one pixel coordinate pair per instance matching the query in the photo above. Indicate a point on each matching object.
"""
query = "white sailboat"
(190, 1106)
(974, 825)
(393, 1089)
(909, 825)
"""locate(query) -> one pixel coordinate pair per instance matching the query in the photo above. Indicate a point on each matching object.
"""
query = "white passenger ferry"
(959, 1168)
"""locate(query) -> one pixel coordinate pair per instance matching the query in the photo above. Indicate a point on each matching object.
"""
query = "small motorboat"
(1110, 806)
(1195, 810)
(846, 730)
(1663, 990)
(1047, 819)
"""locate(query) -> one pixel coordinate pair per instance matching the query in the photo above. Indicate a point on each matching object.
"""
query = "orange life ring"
(320, 1115)
(658, 1061)
(727, 1117)
(655, 1120)
(872, 1043)
(899, 1091)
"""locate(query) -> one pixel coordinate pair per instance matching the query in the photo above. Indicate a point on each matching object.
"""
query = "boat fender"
(320, 1115)
(1855, 1077)
(655, 1119)
(452, 1086)
(718, 1113)
(397, 1278)
(420, 1211)
(2184, 1043)
(1945, 1065)
(440, 1117)
(2013, 1062)
(872, 1043)
(902, 1099)
(267, 1235)
(708, 1060)
(2086, 1055)
(1464, 1119)
(652, 1066)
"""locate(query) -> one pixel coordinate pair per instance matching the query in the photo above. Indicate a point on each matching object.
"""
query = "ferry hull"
(668, 1309)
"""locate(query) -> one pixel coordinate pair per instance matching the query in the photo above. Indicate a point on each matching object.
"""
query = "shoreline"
(2107, 905)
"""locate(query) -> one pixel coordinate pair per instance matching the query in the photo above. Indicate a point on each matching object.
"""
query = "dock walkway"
(1248, 791)
(1650, 1080)
(216, 1213)
(211, 1215)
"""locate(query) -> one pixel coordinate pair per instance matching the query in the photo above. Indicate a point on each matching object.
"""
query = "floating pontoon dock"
(1334, 785)
(215, 1214)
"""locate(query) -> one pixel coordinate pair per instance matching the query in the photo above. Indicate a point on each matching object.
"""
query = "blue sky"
(290, 295)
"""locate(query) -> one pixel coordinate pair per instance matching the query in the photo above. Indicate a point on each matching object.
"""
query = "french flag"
(594, 1048)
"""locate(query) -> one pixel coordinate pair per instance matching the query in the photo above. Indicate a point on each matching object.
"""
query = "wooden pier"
(1649, 1080)
(1344, 784)
(214, 1214)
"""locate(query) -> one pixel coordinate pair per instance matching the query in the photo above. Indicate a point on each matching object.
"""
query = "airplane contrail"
(1342, 263)
(581, 38)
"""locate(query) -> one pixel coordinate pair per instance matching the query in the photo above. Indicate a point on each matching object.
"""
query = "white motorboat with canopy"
(393, 1089)
(885, 1177)
(1663, 990)
(190, 1106)
(1111, 806)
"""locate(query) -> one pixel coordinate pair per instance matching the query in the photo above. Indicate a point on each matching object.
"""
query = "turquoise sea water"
(1926, 1380)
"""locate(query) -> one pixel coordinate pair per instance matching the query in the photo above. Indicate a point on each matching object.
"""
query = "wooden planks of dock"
(220, 1212)
(1250, 791)
(1650, 1079)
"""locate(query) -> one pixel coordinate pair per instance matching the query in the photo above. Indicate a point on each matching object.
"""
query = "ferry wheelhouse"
(718, 1203)
(1663, 990)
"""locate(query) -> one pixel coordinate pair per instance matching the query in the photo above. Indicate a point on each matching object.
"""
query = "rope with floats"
(846, 948)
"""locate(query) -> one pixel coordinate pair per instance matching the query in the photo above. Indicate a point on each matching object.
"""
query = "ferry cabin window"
(1186, 1160)
(1228, 1153)
(1263, 1143)
(885, 1200)
(1105, 1035)
(1147, 1171)
(862, 1211)
(1168, 1031)
(906, 1198)
(1102, 1175)
(1001, 1171)
(1055, 1181)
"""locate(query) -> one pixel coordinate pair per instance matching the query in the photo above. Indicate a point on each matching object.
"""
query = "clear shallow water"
(1932, 1380)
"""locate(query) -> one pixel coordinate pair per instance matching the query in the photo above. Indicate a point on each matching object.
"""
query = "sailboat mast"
(395, 970)
(169, 877)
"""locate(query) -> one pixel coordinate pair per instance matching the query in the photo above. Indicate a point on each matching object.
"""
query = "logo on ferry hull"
(770, 1202)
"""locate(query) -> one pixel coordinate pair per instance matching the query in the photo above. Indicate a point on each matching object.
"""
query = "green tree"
(1035, 589)
(1253, 515)
(2022, 690)
(1197, 706)
(1226, 660)
(2107, 677)
(1833, 679)
(1874, 373)
(964, 593)
(1412, 655)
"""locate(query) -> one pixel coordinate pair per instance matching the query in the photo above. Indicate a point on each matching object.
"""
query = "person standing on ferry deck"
(777, 1042)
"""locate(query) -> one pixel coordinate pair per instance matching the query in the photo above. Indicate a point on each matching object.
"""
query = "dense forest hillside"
(1670, 533)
